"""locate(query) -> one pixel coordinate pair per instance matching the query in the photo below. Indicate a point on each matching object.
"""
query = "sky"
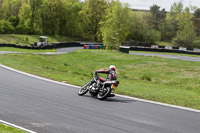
(145, 4)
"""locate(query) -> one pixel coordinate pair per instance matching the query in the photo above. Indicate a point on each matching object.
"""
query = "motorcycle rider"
(111, 75)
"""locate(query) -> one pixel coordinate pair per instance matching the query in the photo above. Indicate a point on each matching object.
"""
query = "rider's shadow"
(120, 100)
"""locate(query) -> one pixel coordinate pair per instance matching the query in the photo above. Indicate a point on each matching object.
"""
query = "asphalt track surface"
(47, 107)
(177, 57)
(58, 51)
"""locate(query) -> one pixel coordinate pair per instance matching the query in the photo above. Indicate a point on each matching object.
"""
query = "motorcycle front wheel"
(83, 90)
(104, 93)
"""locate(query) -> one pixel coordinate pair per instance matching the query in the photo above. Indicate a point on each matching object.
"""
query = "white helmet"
(112, 67)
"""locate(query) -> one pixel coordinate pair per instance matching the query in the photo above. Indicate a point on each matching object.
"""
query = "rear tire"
(83, 90)
(103, 95)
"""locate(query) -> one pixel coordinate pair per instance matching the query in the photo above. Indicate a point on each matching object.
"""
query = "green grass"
(7, 129)
(165, 80)
(26, 50)
(30, 39)
(165, 44)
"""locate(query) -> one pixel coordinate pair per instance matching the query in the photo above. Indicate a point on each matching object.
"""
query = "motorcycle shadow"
(114, 99)
(120, 100)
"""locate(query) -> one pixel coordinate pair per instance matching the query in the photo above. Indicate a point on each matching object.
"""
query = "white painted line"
(15, 126)
(142, 100)
(158, 103)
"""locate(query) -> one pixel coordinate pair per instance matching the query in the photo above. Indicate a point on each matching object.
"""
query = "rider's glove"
(95, 72)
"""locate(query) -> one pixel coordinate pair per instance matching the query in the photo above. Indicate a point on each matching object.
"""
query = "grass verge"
(164, 80)
(8, 129)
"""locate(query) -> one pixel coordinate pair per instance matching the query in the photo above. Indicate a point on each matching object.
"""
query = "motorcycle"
(98, 87)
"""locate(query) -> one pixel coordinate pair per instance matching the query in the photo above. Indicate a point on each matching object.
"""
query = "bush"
(181, 42)
(22, 29)
(152, 36)
(6, 27)
(197, 43)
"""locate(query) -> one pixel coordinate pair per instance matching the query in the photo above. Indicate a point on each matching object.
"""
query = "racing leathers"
(111, 75)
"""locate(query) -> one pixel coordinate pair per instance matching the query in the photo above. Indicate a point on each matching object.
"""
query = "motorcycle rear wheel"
(103, 95)
(83, 90)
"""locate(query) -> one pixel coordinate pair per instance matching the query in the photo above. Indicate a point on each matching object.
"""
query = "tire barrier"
(124, 49)
(86, 47)
(96, 47)
(49, 46)
(166, 49)
(93, 46)
(100, 46)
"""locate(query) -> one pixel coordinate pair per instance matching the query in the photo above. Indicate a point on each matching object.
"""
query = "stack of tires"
(93, 47)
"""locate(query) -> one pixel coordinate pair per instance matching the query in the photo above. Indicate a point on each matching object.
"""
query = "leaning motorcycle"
(98, 88)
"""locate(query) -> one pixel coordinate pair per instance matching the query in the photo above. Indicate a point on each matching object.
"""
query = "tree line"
(107, 21)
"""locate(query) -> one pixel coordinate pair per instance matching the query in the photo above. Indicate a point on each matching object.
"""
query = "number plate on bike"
(114, 86)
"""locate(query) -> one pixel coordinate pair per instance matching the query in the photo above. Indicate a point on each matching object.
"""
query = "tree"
(51, 13)
(167, 28)
(34, 5)
(10, 10)
(11, 7)
(156, 16)
(115, 28)
(140, 30)
(93, 12)
(196, 19)
(185, 35)
(71, 20)
(24, 15)
(176, 8)
(1, 11)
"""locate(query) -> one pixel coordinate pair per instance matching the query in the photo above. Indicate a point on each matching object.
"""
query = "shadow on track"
(120, 100)
(115, 99)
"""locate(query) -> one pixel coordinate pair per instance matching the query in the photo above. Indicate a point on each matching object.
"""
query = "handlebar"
(94, 73)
